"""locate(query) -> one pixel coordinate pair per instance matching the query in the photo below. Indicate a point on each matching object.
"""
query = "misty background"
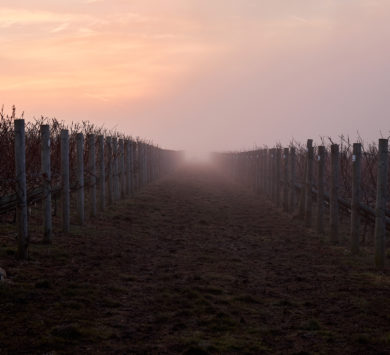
(202, 75)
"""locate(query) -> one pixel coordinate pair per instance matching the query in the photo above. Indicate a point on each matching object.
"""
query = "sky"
(202, 75)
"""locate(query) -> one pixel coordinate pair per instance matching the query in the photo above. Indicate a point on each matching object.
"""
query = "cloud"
(234, 72)
(60, 28)
(11, 17)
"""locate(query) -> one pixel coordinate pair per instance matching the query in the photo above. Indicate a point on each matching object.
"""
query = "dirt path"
(196, 265)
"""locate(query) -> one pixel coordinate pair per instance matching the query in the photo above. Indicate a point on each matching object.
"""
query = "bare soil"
(193, 264)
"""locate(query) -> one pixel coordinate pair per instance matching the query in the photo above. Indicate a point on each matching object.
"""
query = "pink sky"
(202, 75)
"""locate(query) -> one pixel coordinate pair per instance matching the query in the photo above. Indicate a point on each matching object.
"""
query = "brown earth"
(193, 264)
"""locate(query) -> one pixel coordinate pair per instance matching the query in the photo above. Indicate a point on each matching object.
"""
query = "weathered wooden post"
(149, 164)
(131, 167)
(92, 174)
(247, 180)
(116, 168)
(277, 162)
(110, 173)
(80, 178)
(127, 167)
(321, 190)
(21, 189)
(302, 197)
(142, 164)
(138, 165)
(261, 171)
(309, 184)
(135, 184)
(265, 172)
(253, 170)
(249, 169)
(258, 171)
(285, 179)
(355, 204)
(334, 194)
(244, 177)
(159, 159)
(235, 164)
(122, 178)
(273, 173)
(146, 164)
(46, 182)
(380, 211)
(65, 193)
(102, 174)
(242, 168)
(154, 161)
(292, 200)
(270, 174)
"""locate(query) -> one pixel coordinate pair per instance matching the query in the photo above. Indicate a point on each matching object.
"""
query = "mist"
(201, 76)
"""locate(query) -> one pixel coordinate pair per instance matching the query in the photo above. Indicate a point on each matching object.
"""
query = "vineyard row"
(108, 167)
(307, 181)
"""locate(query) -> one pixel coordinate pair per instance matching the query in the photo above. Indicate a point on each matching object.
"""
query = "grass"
(311, 325)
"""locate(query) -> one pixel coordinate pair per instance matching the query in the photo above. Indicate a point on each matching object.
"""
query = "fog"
(203, 76)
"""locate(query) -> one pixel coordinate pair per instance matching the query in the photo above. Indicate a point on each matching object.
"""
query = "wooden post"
(273, 174)
(260, 170)
(135, 166)
(277, 162)
(140, 164)
(131, 167)
(21, 189)
(46, 182)
(80, 177)
(261, 182)
(247, 169)
(153, 163)
(257, 170)
(334, 194)
(302, 197)
(102, 174)
(241, 164)
(116, 168)
(127, 167)
(65, 193)
(265, 172)
(309, 184)
(285, 179)
(244, 167)
(145, 165)
(253, 171)
(321, 190)
(292, 200)
(355, 204)
(270, 174)
(92, 174)
(110, 173)
(122, 180)
(381, 197)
